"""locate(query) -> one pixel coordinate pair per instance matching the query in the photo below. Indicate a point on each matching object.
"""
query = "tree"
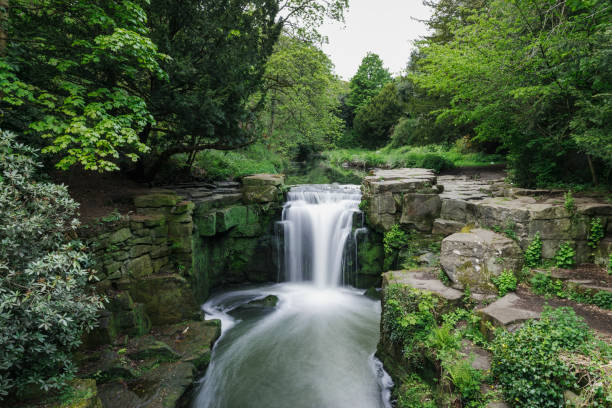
(530, 74)
(369, 79)
(45, 300)
(70, 76)
(218, 51)
(374, 121)
(301, 98)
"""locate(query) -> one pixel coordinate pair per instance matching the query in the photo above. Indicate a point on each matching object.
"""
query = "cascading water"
(316, 347)
(317, 221)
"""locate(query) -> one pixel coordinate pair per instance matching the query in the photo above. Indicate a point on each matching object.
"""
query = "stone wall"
(417, 199)
(157, 265)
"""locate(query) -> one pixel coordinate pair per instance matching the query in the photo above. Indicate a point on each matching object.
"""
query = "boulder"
(193, 340)
(84, 394)
(227, 218)
(167, 299)
(423, 280)
(505, 312)
(446, 227)
(262, 188)
(147, 348)
(473, 258)
(420, 210)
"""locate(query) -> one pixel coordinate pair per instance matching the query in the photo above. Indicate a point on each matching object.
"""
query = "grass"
(406, 156)
(255, 159)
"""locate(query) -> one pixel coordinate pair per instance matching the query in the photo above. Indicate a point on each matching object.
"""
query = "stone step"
(424, 280)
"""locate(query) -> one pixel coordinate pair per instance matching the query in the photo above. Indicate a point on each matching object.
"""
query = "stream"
(315, 347)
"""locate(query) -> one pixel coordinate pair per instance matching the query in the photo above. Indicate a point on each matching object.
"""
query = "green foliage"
(443, 277)
(533, 253)
(45, 303)
(369, 79)
(466, 379)
(69, 77)
(414, 393)
(564, 257)
(506, 282)
(374, 120)
(435, 157)
(224, 165)
(299, 114)
(596, 233)
(442, 340)
(394, 239)
(408, 319)
(544, 284)
(610, 264)
(569, 203)
(527, 362)
(529, 75)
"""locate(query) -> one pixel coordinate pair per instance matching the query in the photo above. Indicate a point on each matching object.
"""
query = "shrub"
(506, 282)
(533, 254)
(394, 239)
(436, 162)
(542, 284)
(527, 362)
(464, 377)
(44, 302)
(596, 233)
(414, 393)
(564, 258)
(408, 319)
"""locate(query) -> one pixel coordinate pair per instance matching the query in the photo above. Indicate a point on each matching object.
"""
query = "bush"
(596, 233)
(533, 254)
(527, 362)
(408, 319)
(44, 302)
(564, 258)
(506, 282)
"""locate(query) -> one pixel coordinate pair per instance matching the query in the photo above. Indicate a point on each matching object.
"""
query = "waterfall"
(316, 347)
(317, 223)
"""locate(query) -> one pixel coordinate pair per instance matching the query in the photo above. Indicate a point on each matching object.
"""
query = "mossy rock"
(81, 393)
(231, 217)
(206, 224)
(371, 256)
(156, 200)
(193, 340)
(269, 301)
(167, 299)
(147, 348)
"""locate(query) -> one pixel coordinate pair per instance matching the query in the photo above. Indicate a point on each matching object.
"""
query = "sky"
(385, 27)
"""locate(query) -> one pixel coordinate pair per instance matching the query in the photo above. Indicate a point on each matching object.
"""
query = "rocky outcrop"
(474, 258)
(507, 312)
(263, 188)
(405, 196)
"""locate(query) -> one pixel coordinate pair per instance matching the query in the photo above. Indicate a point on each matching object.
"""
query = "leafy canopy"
(71, 74)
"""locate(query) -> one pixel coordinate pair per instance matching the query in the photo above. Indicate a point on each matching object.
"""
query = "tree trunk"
(592, 168)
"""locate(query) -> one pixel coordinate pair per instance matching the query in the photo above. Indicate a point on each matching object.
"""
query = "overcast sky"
(385, 27)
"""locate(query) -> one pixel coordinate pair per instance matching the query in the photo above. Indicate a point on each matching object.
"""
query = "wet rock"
(193, 340)
(269, 301)
(373, 293)
(163, 386)
(473, 258)
(147, 348)
(167, 299)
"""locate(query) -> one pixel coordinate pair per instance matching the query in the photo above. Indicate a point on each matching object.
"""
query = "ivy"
(596, 233)
(564, 258)
(505, 282)
(533, 253)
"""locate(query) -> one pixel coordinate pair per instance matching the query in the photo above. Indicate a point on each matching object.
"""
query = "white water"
(316, 347)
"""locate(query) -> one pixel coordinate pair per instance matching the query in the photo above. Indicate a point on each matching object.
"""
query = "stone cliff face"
(158, 265)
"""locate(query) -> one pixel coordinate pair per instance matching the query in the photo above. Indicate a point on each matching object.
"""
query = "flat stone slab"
(402, 180)
(480, 358)
(423, 281)
(508, 311)
(264, 180)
